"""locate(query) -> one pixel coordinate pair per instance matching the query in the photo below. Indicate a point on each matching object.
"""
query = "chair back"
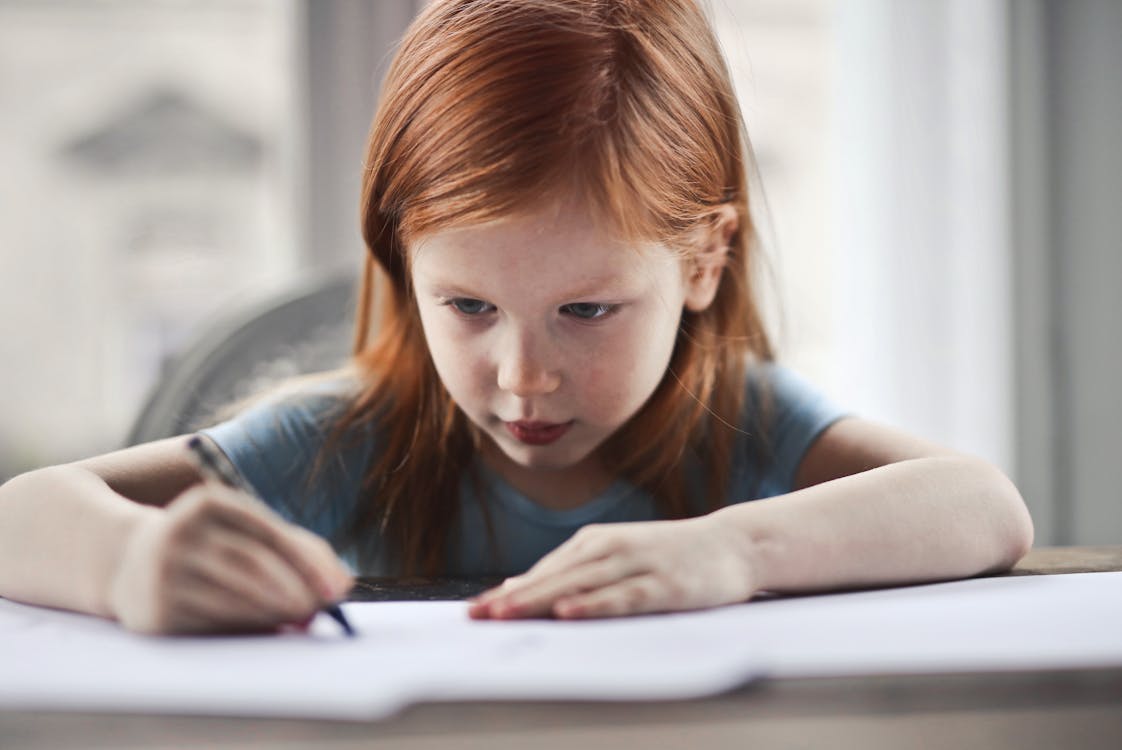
(304, 330)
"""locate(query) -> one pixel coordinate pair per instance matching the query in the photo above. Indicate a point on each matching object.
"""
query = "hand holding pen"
(214, 466)
(216, 559)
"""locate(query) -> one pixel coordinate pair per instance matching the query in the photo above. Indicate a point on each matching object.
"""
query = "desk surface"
(1066, 709)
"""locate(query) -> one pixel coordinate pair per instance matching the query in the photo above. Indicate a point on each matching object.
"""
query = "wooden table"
(1055, 709)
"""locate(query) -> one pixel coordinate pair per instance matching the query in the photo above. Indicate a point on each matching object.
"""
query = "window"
(148, 183)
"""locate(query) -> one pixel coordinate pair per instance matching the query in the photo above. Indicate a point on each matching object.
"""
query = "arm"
(132, 535)
(871, 506)
(63, 528)
(876, 506)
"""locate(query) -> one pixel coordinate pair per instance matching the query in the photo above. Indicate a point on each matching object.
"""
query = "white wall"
(979, 259)
(922, 314)
(1069, 229)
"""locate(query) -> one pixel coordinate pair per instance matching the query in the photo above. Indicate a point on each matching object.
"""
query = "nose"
(524, 367)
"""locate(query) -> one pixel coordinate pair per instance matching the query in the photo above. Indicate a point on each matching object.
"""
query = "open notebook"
(423, 651)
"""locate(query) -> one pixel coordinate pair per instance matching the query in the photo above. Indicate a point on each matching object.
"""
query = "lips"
(537, 433)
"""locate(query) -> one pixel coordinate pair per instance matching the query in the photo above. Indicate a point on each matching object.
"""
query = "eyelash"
(603, 309)
(454, 303)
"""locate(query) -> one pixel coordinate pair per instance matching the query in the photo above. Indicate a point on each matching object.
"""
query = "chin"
(549, 457)
(536, 459)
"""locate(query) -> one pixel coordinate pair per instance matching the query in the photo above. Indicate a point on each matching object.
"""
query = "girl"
(570, 382)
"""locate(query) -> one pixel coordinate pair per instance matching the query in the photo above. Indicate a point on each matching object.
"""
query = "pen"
(215, 466)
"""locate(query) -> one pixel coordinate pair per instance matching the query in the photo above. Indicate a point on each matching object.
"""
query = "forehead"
(559, 245)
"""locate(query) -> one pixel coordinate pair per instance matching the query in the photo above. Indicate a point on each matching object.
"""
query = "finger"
(188, 603)
(255, 573)
(224, 547)
(490, 594)
(201, 607)
(642, 594)
(584, 547)
(588, 544)
(312, 558)
(338, 573)
(537, 599)
(514, 583)
(307, 554)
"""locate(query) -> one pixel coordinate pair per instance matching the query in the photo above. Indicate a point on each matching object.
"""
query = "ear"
(704, 267)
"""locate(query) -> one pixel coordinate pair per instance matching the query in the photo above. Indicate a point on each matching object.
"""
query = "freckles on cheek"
(467, 375)
(614, 376)
(478, 373)
(445, 348)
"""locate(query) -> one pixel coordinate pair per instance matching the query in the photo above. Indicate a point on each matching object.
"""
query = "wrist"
(126, 529)
(753, 543)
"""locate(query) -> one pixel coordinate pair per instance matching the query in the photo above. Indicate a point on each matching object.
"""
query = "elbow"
(1017, 538)
(1011, 523)
(1022, 541)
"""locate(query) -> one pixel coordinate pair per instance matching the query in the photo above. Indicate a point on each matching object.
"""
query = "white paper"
(415, 651)
(405, 652)
(982, 624)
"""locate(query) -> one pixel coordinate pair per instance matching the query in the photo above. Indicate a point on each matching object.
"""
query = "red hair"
(488, 106)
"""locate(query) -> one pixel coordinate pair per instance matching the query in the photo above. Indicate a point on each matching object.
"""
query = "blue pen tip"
(337, 615)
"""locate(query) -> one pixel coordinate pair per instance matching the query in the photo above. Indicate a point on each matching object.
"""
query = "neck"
(556, 489)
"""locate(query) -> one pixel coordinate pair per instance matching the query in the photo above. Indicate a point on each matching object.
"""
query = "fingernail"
(505, 609)
(333, 591)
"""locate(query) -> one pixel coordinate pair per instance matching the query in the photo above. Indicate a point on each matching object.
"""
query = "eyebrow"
(449, 290)
(587, 291)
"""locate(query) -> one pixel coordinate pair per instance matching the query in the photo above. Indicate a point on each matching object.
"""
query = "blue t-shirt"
(274, 444)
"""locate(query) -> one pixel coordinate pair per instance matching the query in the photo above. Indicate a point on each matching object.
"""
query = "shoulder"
(783, 401)
(297, 411)
(279, 443)
(801, 437)
(783, 415)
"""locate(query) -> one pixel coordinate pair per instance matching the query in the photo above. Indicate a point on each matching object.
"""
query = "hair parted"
(489, 108)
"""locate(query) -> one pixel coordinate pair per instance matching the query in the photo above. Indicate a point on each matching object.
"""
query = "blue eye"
(589, 310)
(468, 306)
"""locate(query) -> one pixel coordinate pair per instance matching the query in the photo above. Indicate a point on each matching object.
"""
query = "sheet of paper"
(405, 652)
(981, 624)
(415, 651)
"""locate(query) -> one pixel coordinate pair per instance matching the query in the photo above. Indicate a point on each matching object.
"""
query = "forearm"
(62, 530)
(924, 519)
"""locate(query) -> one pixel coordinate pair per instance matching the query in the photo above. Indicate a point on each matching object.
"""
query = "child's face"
(548, 334)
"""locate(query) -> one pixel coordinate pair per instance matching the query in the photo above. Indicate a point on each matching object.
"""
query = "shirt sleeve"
(784, 414)
(275, 445)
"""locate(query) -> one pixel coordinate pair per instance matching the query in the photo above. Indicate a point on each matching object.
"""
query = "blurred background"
(940, 205)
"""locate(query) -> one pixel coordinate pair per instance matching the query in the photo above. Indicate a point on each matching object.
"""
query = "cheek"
(626, 367)
(459, 368)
